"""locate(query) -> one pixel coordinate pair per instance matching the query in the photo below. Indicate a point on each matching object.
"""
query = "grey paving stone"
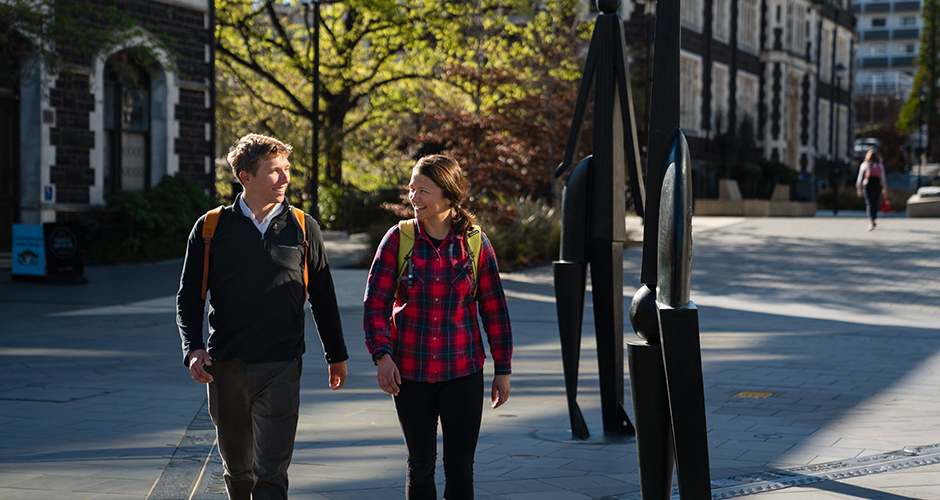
(850, 375)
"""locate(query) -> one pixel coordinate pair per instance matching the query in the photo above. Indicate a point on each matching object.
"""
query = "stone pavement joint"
(837, 323)
(183, 474)
(750, 484)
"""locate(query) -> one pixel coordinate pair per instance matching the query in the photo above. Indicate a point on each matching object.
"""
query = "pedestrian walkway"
(820, 345)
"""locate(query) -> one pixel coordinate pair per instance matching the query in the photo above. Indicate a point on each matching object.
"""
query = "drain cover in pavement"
(762, 482)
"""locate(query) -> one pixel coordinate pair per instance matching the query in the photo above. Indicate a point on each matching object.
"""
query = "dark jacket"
(256, 292)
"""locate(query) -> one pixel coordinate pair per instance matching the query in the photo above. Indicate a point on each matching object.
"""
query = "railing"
(879, 7)
(889, 84)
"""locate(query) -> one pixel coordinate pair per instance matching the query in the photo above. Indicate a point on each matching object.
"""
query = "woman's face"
(427, 199)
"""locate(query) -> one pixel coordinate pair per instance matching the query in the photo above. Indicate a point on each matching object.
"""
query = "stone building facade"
(120, 118)
(782, 67)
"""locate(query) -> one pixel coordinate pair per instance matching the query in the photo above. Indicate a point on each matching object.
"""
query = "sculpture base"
(560, 435)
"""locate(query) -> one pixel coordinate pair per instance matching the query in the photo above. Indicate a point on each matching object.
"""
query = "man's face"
(269, 184)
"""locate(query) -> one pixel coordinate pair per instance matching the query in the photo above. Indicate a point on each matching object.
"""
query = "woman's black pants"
(873, 198)
(459, 404)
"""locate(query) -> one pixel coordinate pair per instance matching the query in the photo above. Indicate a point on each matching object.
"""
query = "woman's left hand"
(500, 391)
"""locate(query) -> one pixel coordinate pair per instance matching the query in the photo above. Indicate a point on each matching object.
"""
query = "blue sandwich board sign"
(29, 250)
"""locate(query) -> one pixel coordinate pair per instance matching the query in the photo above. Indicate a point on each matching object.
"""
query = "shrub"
(353, 210)
(531, 238)
(757, 179)
(848, 199)
(157, 223)
(898, 198)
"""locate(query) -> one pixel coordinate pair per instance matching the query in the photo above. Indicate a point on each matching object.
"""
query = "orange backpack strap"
(208, 230)
(301, 219)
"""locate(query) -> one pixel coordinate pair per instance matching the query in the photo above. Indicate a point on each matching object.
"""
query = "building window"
(908, 48)
(126, 126)
(722, 17)
(825, 62)
(842, 56)
(746, 98)
(877, 22)
(690, 92)
(824, 132)
(747, 25)
(692, 14)
(878, 49)
(909, 21)
(799, 39)
(719, 99)
(842, 115)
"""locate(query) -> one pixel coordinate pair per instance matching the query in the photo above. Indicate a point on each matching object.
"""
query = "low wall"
(755, 208)
(923, 207)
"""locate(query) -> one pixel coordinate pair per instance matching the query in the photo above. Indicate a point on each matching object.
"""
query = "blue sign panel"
(29, 250)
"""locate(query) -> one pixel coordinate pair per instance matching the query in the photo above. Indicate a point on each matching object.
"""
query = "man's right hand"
(197, 360)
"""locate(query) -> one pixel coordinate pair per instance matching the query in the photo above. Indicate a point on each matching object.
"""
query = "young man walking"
(262, 263)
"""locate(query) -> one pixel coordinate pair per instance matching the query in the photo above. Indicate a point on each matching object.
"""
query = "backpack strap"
(474, 239)
(208, 231)
(302, 220)
(406, 244)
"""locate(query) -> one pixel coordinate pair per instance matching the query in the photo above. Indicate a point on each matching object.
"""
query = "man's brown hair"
(247, 153)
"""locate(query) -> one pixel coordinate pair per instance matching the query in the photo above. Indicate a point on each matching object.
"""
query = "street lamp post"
(835, 173)
(920, 135)
(313, 182)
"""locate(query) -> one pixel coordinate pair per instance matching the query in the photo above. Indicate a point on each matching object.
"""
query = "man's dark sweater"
(256, 290)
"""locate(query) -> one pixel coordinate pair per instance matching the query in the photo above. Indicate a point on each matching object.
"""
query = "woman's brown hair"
(871, 155)
(445, 172)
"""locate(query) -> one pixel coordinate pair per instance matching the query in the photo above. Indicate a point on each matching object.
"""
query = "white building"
(888, 44)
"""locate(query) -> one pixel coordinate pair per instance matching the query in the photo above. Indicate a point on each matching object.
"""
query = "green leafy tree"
(510, 128)
(891, 142)
(368, 48)
(916, 111)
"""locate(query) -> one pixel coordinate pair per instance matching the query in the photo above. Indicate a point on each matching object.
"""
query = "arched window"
(126, 125)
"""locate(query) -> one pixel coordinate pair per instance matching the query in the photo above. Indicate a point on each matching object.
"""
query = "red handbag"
(885, 206)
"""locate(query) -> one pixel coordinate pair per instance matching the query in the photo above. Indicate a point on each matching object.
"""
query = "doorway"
(9, 160)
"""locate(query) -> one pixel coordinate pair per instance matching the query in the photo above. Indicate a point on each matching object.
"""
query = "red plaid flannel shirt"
(431, 330)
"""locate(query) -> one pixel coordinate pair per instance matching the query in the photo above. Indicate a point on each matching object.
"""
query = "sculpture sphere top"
(608, 6)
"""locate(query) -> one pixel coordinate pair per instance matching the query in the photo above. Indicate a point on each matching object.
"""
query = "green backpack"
(406, 245)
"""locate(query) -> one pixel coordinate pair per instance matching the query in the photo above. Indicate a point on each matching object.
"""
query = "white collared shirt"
(264, 223)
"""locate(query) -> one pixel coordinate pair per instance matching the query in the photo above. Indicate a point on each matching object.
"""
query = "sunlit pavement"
(832, 330)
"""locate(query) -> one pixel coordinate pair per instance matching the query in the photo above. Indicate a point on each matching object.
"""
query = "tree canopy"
(921, 106)
(495, 78)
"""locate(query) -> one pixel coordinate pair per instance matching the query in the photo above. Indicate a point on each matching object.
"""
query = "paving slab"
(838, 324)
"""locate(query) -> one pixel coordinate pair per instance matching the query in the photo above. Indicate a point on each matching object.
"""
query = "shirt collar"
(420, 232)
(264, 223)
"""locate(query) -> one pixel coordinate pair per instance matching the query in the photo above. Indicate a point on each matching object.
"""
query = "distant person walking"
(263, 262)
(871, 184)
(422, 329)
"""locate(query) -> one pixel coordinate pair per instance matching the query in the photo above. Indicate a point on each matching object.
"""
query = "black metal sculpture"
(593, 230)
(666, 369)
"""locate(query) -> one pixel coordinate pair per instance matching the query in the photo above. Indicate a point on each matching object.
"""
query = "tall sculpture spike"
(666, 367)
(593, 230)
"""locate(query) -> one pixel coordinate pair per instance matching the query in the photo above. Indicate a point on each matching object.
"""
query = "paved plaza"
(820, 346)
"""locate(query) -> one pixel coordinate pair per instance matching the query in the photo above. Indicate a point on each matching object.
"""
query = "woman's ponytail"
(463, 220)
